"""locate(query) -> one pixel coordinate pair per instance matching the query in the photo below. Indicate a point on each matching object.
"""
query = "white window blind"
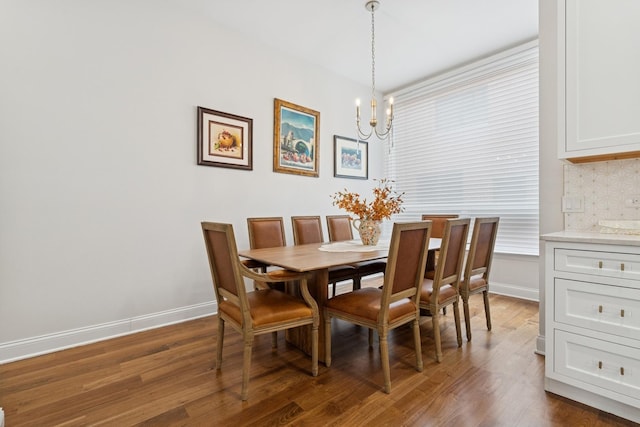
(467, 142)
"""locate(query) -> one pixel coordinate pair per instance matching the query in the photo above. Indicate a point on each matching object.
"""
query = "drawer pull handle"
(622, 312)
(599, 264)
(599, 309)
(600, 365)
(621, 370)
(622, 267)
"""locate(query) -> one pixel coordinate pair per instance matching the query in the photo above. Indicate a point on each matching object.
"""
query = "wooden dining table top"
(310, 257)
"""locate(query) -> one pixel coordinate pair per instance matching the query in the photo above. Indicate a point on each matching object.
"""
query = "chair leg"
(246, 366)
(418, 344)
(370, 337)
(274, 339)
(487, 311)
(220, 342)
(327, 340)
(467, 317)
(357, 283)
(314, 350)
(436, 333)
(456, 316)
(384, 358)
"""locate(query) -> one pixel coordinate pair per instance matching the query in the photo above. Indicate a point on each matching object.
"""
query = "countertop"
(593, 237)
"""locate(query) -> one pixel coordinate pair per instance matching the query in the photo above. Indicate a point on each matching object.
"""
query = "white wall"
(551, 178)
(101, 195)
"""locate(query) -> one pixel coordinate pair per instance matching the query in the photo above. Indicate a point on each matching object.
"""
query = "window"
(466, 142)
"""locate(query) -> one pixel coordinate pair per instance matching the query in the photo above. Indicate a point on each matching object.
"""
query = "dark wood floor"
(166, 377)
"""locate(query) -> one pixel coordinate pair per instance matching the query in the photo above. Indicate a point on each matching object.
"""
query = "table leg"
(301, 336)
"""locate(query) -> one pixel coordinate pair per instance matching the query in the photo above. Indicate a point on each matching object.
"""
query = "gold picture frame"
(296, 139)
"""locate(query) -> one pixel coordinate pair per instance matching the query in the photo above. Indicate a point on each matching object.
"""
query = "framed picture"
(296, 138)
(350, 158)
(224, 140)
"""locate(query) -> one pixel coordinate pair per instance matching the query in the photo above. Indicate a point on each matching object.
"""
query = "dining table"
(317, 258)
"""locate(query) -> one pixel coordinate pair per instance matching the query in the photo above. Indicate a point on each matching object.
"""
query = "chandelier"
(387, 130)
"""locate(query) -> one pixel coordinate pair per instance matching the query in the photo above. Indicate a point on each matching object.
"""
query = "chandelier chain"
(373, 52)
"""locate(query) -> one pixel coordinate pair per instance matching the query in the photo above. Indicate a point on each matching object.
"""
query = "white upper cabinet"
(599, 47)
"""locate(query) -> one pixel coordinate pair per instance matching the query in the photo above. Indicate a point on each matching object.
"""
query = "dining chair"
(442, 290)
(265, 232)
(478, 266)
(340, 229)
(261, 311)
(395, 303)
(308, 229)
(439, 222)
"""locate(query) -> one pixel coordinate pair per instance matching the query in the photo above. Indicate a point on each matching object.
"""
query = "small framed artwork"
(224, 140)
(350, 158)
(296, 138)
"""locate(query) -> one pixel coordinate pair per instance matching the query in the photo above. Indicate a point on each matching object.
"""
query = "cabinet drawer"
(603, 364)
(607, 264)
(611, 309)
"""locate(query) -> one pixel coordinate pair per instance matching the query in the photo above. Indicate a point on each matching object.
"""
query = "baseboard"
(540, 345)
(30, 347)
(496, 288)
(514, 291)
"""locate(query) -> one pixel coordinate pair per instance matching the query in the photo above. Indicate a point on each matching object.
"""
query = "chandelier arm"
(364, 136)
(383, 134)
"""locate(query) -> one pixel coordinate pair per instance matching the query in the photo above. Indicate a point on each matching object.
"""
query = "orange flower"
(386, 202)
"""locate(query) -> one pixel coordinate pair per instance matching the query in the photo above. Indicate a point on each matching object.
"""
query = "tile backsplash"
(604, 187)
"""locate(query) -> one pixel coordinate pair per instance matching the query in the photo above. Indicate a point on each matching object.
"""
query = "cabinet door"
(599, 365)
(602, 40)
(610, 309)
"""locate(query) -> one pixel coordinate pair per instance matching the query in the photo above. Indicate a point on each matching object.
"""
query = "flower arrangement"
(386, 202)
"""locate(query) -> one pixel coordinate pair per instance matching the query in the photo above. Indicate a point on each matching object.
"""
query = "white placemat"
(354, 246)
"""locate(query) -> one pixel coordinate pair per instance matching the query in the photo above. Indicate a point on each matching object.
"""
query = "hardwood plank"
(167, 377)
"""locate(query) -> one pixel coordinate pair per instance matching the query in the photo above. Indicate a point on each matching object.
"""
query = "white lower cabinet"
(592, 320)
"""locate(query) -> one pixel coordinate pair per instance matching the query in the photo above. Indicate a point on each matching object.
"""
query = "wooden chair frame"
(478, 267)
(448, 272)
(228, 273)
(402, 281)
(439, 222)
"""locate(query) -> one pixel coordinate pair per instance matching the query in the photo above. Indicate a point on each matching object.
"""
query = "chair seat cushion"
(447, 293)
(343, 272)
(477, 282)
(366, 268)
(365, 303)
(268, 306)
(249, 263)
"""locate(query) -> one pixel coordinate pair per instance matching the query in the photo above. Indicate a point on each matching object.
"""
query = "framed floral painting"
(224, 140)
(296, 138)
(350, 158)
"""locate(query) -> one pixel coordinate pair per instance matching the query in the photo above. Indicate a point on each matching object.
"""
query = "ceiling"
(414, 39)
